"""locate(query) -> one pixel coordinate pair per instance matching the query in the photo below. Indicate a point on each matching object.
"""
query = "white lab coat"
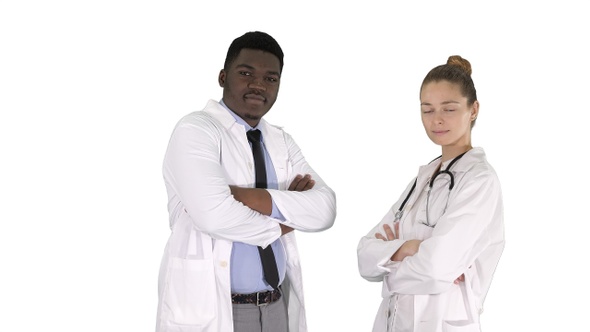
(207, 152)
(419, 293)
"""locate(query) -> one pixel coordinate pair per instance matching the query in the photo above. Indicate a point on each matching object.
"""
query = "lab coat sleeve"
(458, 239)
(313, 210)
(193, 171)
(374, 255)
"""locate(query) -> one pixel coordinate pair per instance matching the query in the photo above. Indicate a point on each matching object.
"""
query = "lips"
(255, 97)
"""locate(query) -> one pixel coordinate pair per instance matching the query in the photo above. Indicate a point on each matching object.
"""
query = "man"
(228, 208)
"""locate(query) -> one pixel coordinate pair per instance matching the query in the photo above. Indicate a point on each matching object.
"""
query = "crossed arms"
(259, 199)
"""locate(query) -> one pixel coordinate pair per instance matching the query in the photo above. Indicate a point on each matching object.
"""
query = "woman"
(437, 248)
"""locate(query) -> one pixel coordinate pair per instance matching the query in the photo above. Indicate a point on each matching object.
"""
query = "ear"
(221, 78)
(474, 110)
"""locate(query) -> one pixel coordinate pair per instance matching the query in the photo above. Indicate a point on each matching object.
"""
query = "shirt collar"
(237, 117)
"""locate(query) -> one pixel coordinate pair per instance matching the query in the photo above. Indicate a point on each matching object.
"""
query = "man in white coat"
(211, 276)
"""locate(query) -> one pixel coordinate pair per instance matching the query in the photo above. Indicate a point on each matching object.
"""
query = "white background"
(90, 92)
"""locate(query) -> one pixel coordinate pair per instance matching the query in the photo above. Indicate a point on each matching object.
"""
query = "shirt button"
(223, 264)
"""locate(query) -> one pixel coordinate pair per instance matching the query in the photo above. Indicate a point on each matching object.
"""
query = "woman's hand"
(409, 248)
(389, 233)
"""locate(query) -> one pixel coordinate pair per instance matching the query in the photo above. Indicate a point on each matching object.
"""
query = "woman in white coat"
(438, 246)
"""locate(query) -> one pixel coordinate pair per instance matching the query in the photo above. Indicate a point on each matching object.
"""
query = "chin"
(437, 141)
(253, 117)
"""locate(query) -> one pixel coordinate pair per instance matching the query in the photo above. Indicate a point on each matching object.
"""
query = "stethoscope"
(400, 211)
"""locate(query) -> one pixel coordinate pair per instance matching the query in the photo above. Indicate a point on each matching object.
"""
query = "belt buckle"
(258, 300)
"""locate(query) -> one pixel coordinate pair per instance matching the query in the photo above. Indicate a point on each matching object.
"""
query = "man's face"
(251, 84)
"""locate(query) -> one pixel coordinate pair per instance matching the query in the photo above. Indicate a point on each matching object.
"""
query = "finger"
(460, 279)
(389, 232)
(285, 229)
(295, 181)
(303, 182)
(380, 237)
(309, 185)
(396, 227)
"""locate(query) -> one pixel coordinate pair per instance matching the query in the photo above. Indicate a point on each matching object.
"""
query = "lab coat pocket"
(460, 326)
(421, 230)
(461, 315)
(447, 326)
(190, 297)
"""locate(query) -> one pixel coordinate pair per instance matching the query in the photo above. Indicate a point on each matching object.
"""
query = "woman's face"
(445, 114)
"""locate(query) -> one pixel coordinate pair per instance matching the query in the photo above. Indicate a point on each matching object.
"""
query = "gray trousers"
(266, 318)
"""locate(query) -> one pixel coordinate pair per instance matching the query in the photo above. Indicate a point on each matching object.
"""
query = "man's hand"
(299, 183)
(302, 183)
(259, 199)
(285, 229)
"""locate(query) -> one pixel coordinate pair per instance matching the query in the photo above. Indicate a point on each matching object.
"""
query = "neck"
(450, 152)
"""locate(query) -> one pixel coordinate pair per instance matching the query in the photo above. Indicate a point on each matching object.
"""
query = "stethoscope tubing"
(399, 213)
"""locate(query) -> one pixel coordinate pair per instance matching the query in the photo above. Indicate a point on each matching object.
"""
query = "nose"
(257, 84)
(437, 118)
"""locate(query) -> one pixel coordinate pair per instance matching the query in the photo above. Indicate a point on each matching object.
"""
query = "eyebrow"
(443, 103)
(247, 66)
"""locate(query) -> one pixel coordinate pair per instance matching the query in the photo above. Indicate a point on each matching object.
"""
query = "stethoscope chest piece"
(446, 171)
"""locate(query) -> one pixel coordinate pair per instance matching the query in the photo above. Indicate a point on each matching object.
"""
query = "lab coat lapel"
(424, 174)
(238, 134)
(274, 141)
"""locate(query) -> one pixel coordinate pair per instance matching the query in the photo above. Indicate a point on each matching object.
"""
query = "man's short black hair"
(254, 40)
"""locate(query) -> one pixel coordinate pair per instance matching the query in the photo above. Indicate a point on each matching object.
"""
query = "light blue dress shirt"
(245, 266)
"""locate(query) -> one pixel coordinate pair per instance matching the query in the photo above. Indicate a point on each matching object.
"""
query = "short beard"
(252, 117)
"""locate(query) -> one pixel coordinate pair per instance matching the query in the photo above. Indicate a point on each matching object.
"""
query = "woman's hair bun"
(457, 60)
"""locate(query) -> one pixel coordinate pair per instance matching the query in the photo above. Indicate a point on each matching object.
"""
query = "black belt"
(259, 298)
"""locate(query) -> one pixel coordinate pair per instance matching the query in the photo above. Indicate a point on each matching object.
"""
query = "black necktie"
(267, 256)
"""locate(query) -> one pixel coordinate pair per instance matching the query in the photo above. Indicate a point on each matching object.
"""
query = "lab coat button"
(223, 264)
